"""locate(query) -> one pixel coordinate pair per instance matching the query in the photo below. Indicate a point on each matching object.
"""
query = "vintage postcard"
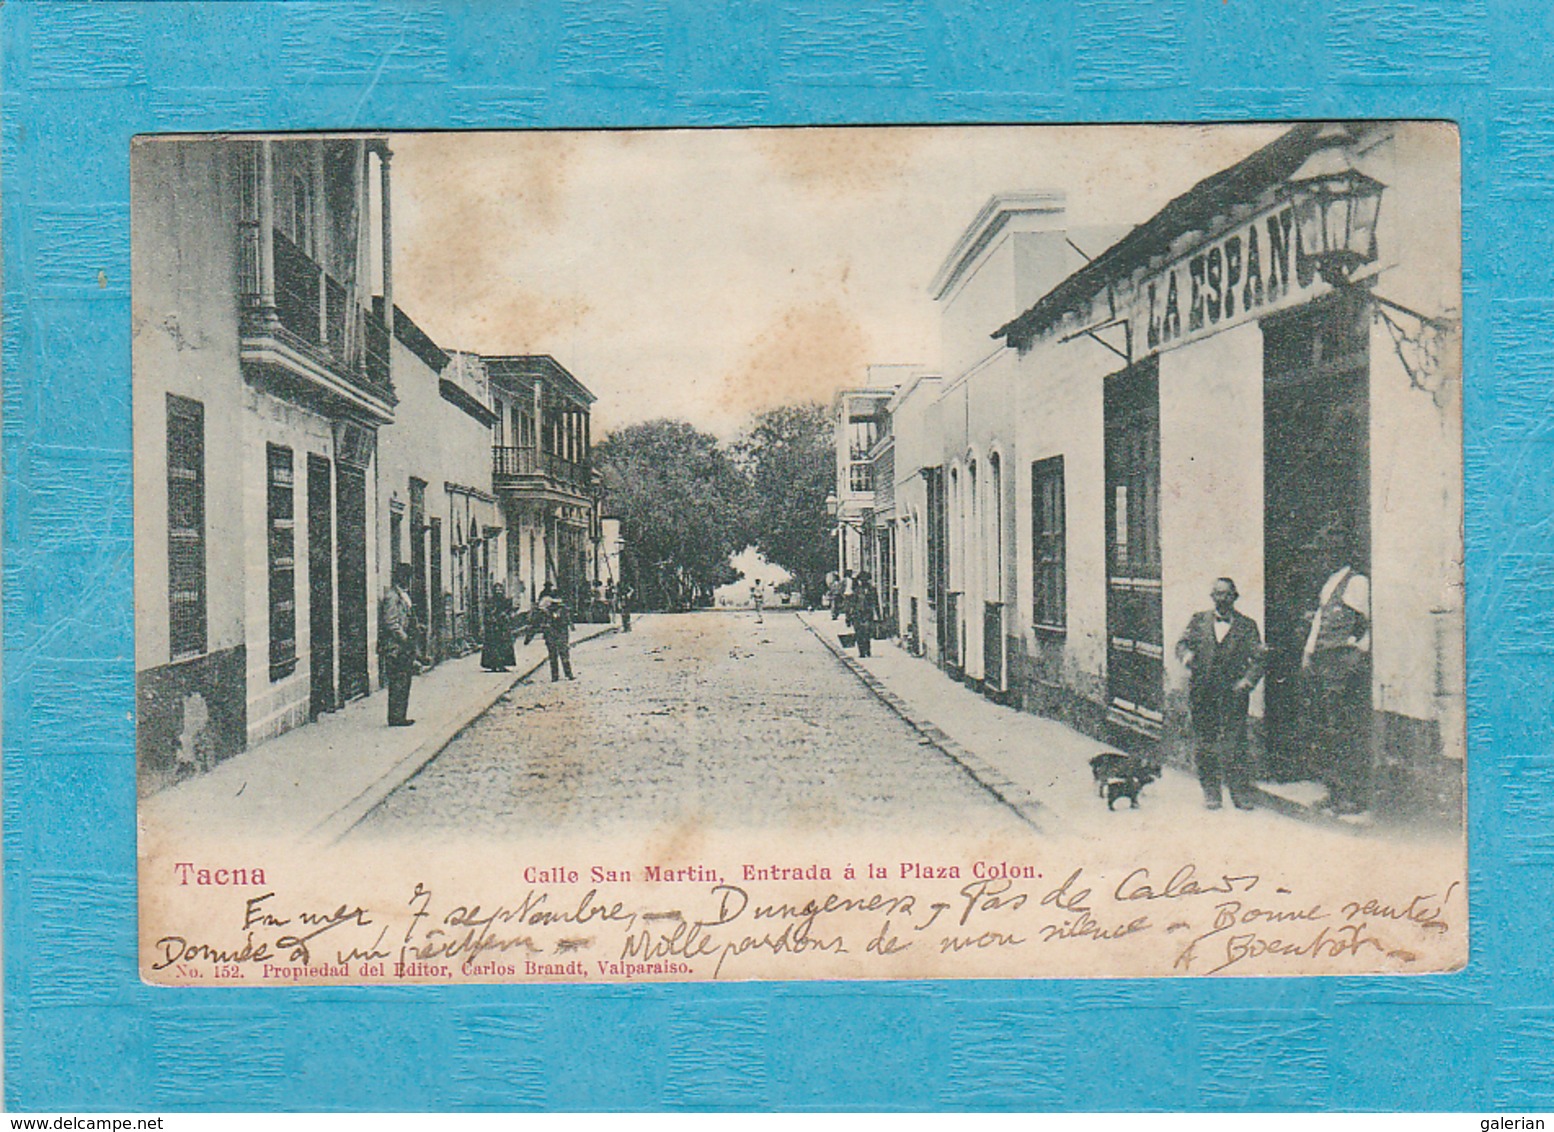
(855, 553)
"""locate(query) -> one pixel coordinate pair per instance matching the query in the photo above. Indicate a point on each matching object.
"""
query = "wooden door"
(351, 566)
(1135, 654)
(321, 587)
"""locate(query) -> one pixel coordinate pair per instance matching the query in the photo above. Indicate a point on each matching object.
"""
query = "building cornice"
(464, 489)
(984, 229)
(456, 396)
(505, 369)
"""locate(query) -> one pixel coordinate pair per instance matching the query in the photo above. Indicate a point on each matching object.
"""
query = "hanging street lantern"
(1335, 209)
(1335, 214)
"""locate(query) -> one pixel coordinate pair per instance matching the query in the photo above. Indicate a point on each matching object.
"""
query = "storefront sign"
(1256, 268)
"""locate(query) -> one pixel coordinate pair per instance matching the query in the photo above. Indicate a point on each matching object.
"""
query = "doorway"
(937, 554)
(418, 531)
(1135, 652)
(1316, 484)
(993, 606)
(321, 603)
(351, 565)
(437, 630)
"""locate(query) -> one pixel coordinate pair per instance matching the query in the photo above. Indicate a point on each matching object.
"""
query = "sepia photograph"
(799, 553)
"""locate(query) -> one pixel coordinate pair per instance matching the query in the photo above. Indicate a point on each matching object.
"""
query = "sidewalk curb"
(1019, 799)
(334, 827)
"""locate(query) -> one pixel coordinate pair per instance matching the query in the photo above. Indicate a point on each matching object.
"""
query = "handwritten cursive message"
(590, 922)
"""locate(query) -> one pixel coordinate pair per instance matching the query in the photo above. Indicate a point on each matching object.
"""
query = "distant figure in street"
(399, 634)
(496, 654)
(863, 612)
(848, 584)
(834, 590)
(552, 618)
(1223, 651)
(1336, 661)
(758, 599)
(609, 601)
(624, 597)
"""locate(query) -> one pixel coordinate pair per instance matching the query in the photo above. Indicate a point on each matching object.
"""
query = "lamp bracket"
(1440, 326)
(1421, 352)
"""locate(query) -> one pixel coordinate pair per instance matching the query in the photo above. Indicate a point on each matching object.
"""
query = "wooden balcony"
(311, 338)
(527, 469)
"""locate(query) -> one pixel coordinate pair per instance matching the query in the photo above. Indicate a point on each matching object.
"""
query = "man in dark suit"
(399, 632)
(1224, 652)
(552, 618)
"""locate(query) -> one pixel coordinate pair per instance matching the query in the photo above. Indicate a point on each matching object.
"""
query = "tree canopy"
(788, 456)
(683, 506)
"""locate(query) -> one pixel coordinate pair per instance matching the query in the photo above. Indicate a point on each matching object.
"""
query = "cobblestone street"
(708, 718)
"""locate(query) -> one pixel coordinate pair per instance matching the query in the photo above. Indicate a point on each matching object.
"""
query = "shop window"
(1049, 546)
(186, 602)
(282, 563)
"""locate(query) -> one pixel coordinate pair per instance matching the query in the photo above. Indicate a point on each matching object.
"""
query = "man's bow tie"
(1222, 617)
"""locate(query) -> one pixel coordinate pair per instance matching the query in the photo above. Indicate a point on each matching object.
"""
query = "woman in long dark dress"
(497, 653)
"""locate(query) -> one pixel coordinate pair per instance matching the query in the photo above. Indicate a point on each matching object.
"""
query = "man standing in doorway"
(1336, 660)
(399, 632)
(1224, 653)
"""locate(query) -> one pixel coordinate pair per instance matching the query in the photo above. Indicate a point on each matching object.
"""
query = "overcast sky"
(711, 274)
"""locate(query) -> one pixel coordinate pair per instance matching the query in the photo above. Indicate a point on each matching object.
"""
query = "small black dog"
(1121, 776)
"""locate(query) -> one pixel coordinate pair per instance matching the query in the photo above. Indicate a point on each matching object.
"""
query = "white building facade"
(261, 381)
(297, 436)
(1200, 400)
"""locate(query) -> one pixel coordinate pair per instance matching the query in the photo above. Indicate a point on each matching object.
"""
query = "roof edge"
(1262, 169)
(538, 365)
(985, 227)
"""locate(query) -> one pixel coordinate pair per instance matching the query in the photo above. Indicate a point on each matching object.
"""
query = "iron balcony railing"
(314, 311)
(528, 462)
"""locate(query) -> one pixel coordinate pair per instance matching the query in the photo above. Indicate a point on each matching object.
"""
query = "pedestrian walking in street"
(758, 599)
(624, 596)
(399, 635)
(1224, 654)
(864, 612)
(552, 619)
(1336, 662)
(834, 593)
(496, 655)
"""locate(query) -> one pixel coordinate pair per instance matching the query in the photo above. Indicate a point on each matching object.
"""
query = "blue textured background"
(83, 1033)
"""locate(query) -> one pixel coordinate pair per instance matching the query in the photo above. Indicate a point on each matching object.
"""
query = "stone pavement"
(315, 782)
(711, 722)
